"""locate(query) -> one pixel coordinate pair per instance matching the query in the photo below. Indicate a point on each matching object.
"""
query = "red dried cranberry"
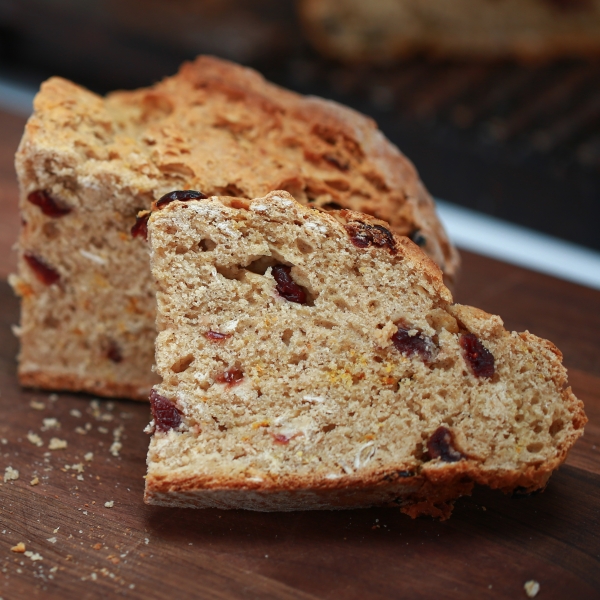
(413, 344)
(180, 196)
(114, 352)
(215, 336)
(280, 438)
(164, 412)
(440, 445)
(230, 376)
(479, 358)
(47, 275)
(140, 227)
(286, 286)
(47, 204)
(363, 236)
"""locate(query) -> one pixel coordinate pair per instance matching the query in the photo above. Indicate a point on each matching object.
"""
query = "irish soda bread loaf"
(313, 360)
(88, 164)
(353, 30)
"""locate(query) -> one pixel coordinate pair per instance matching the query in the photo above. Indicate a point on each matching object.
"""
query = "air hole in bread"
(286, 336)
(182, 364)
(232, 273)
(534, 448)
(207, 245)
(261, 264)
(556, 427)
(304, 247)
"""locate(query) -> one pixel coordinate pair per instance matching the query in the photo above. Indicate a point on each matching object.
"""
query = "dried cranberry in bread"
(87, 165)
(315, 360)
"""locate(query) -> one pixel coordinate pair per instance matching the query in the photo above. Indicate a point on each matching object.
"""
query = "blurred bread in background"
(381, 31)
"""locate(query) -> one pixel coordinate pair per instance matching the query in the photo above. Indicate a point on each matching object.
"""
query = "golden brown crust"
(70, 383)
(345, 159)
(414, 495)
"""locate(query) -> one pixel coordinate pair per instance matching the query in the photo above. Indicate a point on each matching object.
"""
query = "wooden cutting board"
(492, 545)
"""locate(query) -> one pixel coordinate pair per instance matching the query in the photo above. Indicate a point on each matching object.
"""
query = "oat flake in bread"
(316, 360)
(88, 164)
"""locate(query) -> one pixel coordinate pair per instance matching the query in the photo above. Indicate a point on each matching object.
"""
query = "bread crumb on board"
(57, 444)
(532, 587)
(10, 474)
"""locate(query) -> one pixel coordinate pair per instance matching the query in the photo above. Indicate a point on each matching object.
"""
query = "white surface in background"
(518, 245)
(468, 229)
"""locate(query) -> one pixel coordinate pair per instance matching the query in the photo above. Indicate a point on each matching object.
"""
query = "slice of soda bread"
(87, 165)
(313, 360)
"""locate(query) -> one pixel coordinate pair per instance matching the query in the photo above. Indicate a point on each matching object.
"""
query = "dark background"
(518, 141)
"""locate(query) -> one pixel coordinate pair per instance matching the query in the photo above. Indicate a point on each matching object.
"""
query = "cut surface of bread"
(355, 31)
(316, 360)
(88, 164)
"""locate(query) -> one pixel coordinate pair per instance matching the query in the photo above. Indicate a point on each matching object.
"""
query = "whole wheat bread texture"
(87, 165)
(382, 31)
(316, 360)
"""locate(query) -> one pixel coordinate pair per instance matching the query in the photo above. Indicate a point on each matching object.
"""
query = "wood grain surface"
(77, 547)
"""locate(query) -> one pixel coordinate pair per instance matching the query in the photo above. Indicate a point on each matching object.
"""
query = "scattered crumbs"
(54, 569)
(57, 444)
(35, 439)
(56, 530)
(34, 556)
(266, 556)
(80, 430)
(19, 548)
(102, 430)
(93, 576)
(75, 413)
(79, 468)
(34, 481)
(80, 477)
(115, 448)
(109, 504)
(97, 546)
(132, 586)
(4, 441)
(146, 541)
(36, 405)
(50, 423)
(89, 456)
(10, 474)
(53, 397)
(52, 540)
(532, 588)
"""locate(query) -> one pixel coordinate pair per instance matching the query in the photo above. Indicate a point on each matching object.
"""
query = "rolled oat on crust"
(87, 165)
(316, 360)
